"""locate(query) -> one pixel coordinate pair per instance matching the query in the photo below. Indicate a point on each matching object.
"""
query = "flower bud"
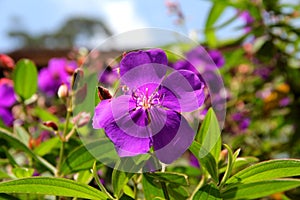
(63, 91)
(103, 93)
(51, 124)
(6, 62)
(81, 119)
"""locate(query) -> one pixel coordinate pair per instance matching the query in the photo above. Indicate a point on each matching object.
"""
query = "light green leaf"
(51, 186)
(267, 170)
(14, 142)
(208, 192)
(47, 146)
(259, 189)
(230, 162)
(84, 177)
(119, 180)
(214, 14)
(241, 163)
(4, 175)
(208, 162)
(44, 115)
(25, 78)
(170, 177)
(22, 172)
(22, 134)
(209, 136)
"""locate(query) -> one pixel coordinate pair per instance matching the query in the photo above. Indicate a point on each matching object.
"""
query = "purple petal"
(138, 58)
(6, 116)
(126, 145)
(183, 87)
(217, 57)
(174, 138)
(7, 95)
(144, 74)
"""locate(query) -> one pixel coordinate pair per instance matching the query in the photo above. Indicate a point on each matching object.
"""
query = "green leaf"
(170, 177)
(119, 180)
(22, 134)
(208, 192)
(25, 78)
(214, 14)
(208, 162)
(177, 191)
(22, 172)
(259, 189)
(85, 177)
(152, 188)
(51, 186)
(14, 142)
(44, 115)
(241, 163)
(209, 136)
(4, 175)
(128, 191)
(47, 146)
(83, 157)
(267, 170)
(230, 162)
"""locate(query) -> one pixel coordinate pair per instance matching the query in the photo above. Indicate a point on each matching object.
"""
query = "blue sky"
(120, 15)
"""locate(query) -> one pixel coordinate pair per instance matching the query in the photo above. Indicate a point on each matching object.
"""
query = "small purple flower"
(56, 74)
(248, 19)
(284, 101)
(148, 114)
(199, 57)
(242, 120)
(109, 76)
(7, 100)
(217, 57)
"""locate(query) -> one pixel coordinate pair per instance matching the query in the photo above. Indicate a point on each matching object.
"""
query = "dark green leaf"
(267, 170)
(25, 78)
(151, 187)
(177, 192)
(208, 192)
(51, 186)
(119, 180)
(259, 189)
(208, 162)
(83, 157)
(170, 177)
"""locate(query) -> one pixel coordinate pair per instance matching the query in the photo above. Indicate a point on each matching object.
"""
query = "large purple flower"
(57, 73)
(148, 116)
(7, 100)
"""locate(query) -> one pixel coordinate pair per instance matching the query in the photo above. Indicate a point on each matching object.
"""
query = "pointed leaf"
(260, 189)
(25, 78)
(208, 192)
(267, 170)
(51, 186)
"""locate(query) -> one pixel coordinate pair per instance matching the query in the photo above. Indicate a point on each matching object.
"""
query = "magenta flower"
(148, 114)
(57, 73)
(248, 19)
(7, 100)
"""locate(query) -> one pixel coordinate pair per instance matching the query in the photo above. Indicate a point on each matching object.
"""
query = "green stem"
(200, 184)
(102, 188)
(165, 190)
(62, 147)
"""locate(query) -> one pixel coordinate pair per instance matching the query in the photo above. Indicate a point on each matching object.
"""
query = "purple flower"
(109, 76)
(248, 19)
(148, 114)
(7, 100)
(217, 57)
(199, 57)
(242, 120)
(57, 73)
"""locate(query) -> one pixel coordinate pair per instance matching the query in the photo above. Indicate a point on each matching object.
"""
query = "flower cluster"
(58, 72)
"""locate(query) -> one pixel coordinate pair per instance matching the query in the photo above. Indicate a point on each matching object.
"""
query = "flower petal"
(6, 116)
(126, 145)
(173, 139)
(183, 91)
(7, 95)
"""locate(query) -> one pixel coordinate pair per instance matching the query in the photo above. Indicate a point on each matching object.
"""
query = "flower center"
(145, 100)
